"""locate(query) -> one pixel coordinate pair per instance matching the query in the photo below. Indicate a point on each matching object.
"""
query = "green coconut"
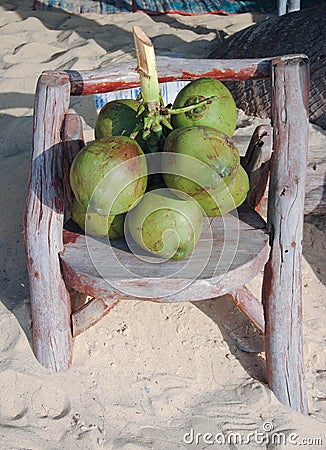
(116, 229)
(165, 225)
(90, 221)
(117, 118)
(224, 201)
(95, 224)
(220, 113)
(198, 159)
(109, 175)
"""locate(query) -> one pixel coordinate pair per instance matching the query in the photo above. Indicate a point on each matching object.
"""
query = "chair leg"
(282, 290)
(249, 305)
(91, 313)
(50, 301)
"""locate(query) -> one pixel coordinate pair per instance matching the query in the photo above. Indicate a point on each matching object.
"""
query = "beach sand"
(148, 373)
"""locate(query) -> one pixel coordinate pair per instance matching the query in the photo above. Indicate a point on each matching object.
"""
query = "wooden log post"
(282, 290)
(44, 215)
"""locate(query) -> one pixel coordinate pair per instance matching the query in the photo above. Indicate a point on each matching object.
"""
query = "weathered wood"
(124, 76)
(73, 142)
(43, 226)
(245, 300)
(229, 253)
(256, 164)
(90, 314)
(282, 290)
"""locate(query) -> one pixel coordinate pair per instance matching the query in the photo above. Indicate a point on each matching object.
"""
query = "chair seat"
(232, 249)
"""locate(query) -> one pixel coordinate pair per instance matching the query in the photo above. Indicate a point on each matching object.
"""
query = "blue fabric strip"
(162, 6)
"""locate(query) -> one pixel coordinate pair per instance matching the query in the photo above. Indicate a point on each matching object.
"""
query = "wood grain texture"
(282, 290)
(44, 217)
(239, 251)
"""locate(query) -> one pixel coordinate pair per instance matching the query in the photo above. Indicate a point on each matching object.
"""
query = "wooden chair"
(58, 258)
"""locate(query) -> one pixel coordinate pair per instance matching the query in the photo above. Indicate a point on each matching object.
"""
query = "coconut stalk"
(147, 69)
(150, 108)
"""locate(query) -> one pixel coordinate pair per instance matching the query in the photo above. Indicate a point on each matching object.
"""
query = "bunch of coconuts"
(200, 172)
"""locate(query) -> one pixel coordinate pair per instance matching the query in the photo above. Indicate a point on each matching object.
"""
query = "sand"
(148, 375)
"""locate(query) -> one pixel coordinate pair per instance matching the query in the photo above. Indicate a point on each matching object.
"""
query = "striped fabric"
(187, 7)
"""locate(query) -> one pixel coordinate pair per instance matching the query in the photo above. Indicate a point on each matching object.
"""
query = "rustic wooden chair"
(58, 258)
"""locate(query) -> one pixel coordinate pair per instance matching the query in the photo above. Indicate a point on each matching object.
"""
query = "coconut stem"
(147, 70)
(150, 108)
(184, 109)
